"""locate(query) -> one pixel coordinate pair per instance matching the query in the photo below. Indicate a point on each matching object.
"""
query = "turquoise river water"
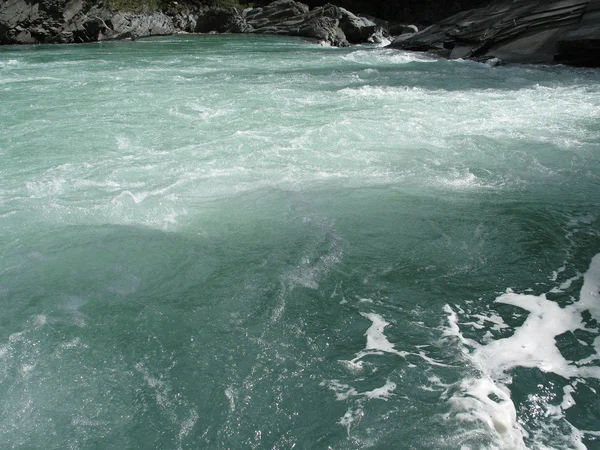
(237, 242)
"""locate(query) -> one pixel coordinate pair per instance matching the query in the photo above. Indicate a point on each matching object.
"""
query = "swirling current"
(234, 242)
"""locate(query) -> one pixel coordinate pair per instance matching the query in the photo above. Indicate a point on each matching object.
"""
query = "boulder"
(330, 24)
(288, 17)
(357, 29)
(516, 31)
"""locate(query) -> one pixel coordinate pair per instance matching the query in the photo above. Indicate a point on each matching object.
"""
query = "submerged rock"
(521, 31)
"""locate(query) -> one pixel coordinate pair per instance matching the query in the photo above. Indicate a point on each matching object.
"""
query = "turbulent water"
(258, 242)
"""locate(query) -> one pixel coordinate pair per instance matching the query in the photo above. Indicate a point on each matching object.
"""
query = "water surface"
(258, 242)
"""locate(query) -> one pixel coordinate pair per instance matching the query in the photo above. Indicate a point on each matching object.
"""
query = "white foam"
(45, 188)
(376, 339)
(533, 345)
(137, 197)
(342, 391)
(377, 342)
(476, 403)
(351, 416)
(230, 394)
(187, 426)
(9, 63)
(387, 56)
(382, 393)
(568, 400)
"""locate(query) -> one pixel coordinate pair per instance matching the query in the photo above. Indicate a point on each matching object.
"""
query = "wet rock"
(66, 21)
(400, 29)
(379, 37)
(518, 31)
(330, 24)
(357, 29)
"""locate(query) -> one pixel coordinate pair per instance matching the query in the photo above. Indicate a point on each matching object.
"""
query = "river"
(259, 242)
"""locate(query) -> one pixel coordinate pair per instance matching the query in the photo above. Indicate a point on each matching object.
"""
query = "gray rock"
(357, 29)
(72, 8)
(379, 37)
(288, 17)
(127, 25)
(16, 17)
(186, 21)
(16, 12)
(517, 31)
(67, 21)
(276, 12)
(330, 24)
(222, 20)
(400, 29)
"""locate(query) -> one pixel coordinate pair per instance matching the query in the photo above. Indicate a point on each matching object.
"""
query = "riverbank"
(77, 21)
(566, 32)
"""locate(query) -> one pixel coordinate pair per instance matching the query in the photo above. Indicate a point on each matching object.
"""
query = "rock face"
(519, 31)
(68, 21)
(71, 21)
(123, 25)
(222, 20)
(328, 23)
(425, 12)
